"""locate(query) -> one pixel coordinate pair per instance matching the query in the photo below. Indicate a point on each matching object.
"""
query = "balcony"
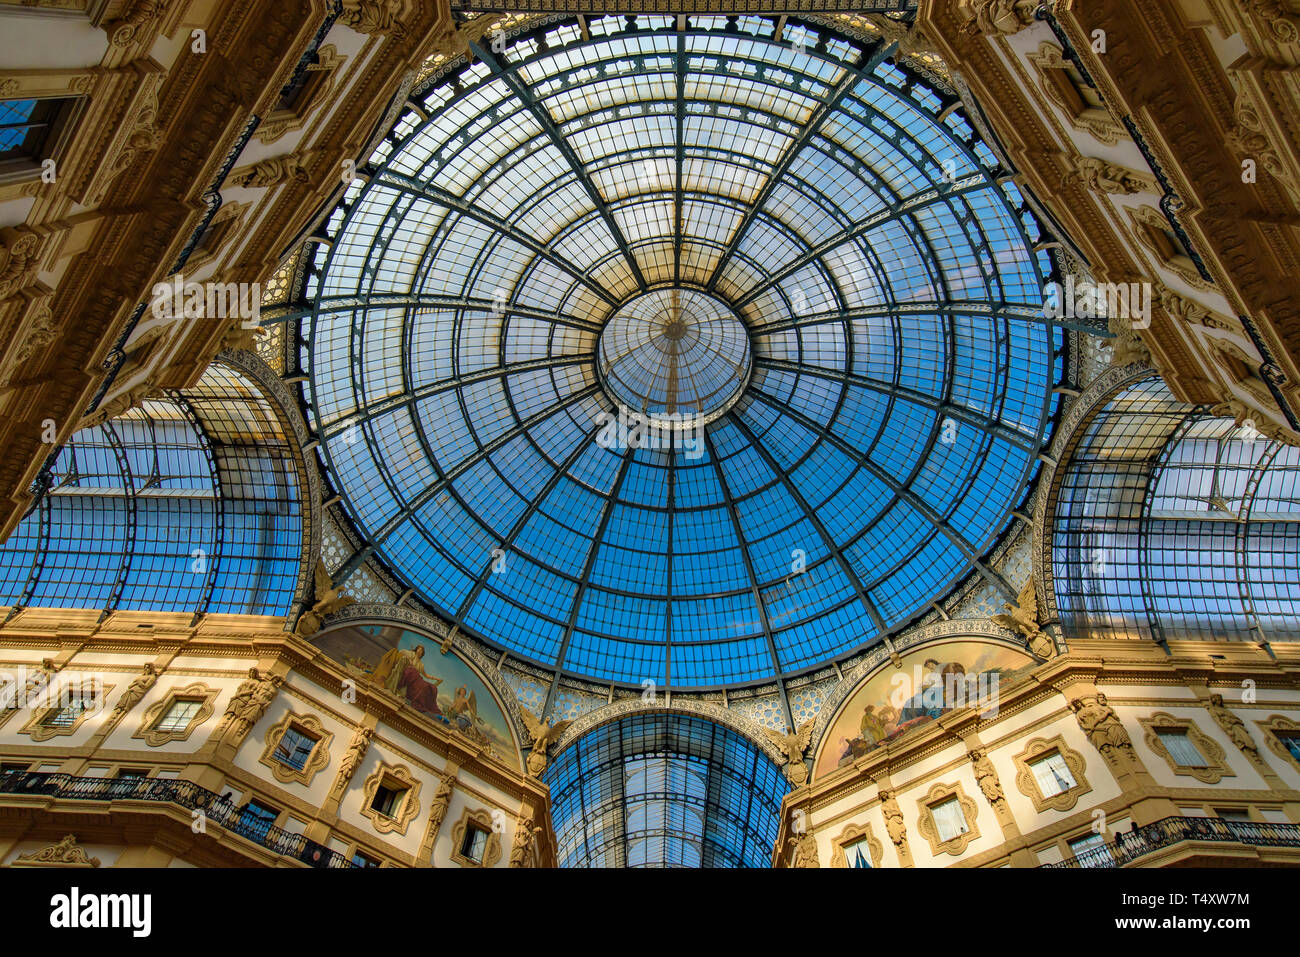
(186, 794)
(1174, 830)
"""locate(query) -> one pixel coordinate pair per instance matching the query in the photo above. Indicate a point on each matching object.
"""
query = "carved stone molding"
(1274, 725)
(316, 762)
(64, 853)
(492, 851)
(1052, 66)
(409, 807)
(193, 692)
(851, 834)
(940, 793)
(1215, 767)
(1027, 783)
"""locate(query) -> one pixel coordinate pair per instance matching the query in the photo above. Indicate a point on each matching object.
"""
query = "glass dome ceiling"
(805, 245)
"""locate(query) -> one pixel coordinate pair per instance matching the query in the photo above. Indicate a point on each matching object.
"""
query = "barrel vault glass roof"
(880, 261)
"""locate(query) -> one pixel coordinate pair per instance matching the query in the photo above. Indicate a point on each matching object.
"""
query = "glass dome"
(799, 256)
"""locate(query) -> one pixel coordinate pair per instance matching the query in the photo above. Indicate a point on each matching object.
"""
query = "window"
(474, 843)
(1181, 750)
(179, 715)
(1052, 775)
(949, 820)
(1091, 851)
(14, 766)
(1290, 741)
(387, 800)
(131, 774)
(256, 820)
(28, 128)
(857, 854)
(295, 748)
(66, 716)
(1232, 813)
(361, 859)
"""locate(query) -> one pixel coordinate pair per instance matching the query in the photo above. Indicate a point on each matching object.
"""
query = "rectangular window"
(256, 820)
(1180, 748)
(1052, 775)
(27, 127)
(131, 774)
(179, 715)
(1232, 813)
(363, 860)
(294, 748)
(1091, 851)
(387, 800)
(67, 715)
(949, 820)
(474, 844)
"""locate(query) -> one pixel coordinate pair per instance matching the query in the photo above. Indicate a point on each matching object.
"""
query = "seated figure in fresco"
(401, 671)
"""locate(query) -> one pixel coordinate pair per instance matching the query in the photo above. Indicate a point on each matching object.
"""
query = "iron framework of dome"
(803, 243)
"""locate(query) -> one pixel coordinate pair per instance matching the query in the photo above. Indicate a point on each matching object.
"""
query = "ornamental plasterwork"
(408, 807)
(64, 853)
(1215, 767)
(1096, 122)
(1027, 783)
(939, 794)
(316, 762)
(850, 835)
(197, 691)
(491, 852)
(279, 122)
(1274, 725)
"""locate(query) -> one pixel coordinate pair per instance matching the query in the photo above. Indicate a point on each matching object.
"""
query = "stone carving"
(438, 809)
(65, 853)
(1102, 726)
(1181, 309)
(145, 137)
(19, 251)
(357, 748)
(1243, 414)
(543, 734)
(1233, 727)
(1022, 618)
(805, 850)
(1006, 17)
(894, 825)
(271, 172)
(122, 403)
(39, 336)
(1127, 347)
(1281, 22)
(137, 689)
(793, 747)
(521, 850)
(131, 27)
(328, 600)
(373, 17)
(986, 776)
(1101, 176)
(249, 703)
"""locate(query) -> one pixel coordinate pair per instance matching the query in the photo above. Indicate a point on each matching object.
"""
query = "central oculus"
(675, 352)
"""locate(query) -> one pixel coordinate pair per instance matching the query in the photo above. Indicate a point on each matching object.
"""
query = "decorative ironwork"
(1169, 831)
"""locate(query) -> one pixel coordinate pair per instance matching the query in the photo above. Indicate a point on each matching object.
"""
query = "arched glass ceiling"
(1172, 523)
(664, 790)
(189, 503)
(839, 207)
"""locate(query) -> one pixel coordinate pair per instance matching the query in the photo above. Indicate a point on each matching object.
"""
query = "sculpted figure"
(986, 776)
(137, 689)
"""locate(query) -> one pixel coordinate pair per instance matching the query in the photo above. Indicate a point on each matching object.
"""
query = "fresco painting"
(443, 688)
(932, 680)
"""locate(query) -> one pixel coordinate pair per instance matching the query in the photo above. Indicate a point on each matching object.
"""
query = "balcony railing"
(1174, 830)
(186, 794)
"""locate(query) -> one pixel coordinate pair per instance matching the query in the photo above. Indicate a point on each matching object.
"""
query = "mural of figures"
(932, 680)
(409, 666)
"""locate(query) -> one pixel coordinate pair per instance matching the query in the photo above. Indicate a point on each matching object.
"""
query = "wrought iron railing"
(186, 794)
(1174, 830)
